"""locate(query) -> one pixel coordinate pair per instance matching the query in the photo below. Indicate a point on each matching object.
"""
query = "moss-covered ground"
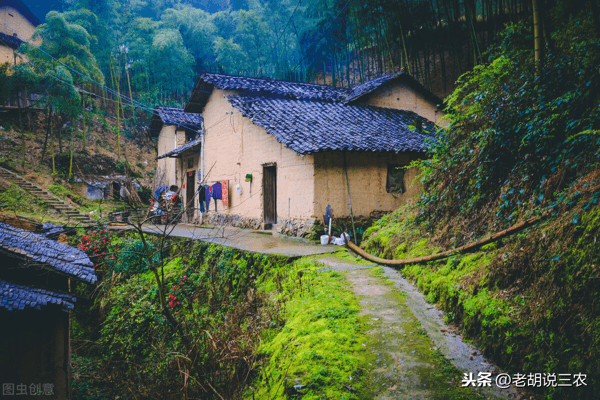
(318, 353)
(529, 300)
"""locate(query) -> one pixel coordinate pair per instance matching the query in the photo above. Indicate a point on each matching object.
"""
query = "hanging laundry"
(208, 196)
(225, 193)
(216, 193)
(202, 198)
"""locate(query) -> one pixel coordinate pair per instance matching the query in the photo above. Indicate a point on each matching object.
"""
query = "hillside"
(98, 159)
(520, 144)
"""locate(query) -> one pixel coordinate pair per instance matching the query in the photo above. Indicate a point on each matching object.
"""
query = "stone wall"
(238, 221)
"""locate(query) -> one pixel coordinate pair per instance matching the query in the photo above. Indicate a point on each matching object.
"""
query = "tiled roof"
(292, 90)
(15, 297)
(309, 126)
(191, 145)
(363, 89)
(173, 116)
(22, 8)
(38, 249)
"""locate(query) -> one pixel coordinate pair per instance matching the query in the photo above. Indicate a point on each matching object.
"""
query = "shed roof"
(38, 249)
(191, 145)
(309, 126)
(364, 89)
(173, 116)
(14, 297)
(293, 90)
(22, 8)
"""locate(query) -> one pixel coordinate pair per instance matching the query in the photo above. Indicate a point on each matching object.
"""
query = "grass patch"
(318, 353)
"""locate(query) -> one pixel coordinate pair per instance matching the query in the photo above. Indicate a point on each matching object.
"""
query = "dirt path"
(413, 353)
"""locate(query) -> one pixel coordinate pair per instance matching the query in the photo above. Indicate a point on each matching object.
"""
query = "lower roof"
(309, 126)
(15, 297)
(39, 250)
(189, 146)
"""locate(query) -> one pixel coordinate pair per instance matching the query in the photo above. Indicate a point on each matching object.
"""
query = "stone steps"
(45, 196)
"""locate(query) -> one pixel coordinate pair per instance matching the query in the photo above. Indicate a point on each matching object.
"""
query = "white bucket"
(324, 239)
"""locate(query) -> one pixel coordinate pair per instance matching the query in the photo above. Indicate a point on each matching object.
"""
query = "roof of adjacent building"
(191, 145)
(292, 90)
(38, 249)
(173, 116)
(364, 89)
(14, 297)
(23, 9)
(309, 126)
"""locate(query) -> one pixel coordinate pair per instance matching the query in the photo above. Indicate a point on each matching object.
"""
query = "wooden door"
(270, 195)
(189, 194)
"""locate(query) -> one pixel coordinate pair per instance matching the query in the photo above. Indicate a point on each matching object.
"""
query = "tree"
(63, 61)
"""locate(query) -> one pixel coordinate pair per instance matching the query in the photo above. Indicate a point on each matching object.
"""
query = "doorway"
(189, 194)
(116, 191)
(270, 195)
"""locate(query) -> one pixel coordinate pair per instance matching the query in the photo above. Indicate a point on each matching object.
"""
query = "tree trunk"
(71, 156)
(595, 20)
(83, 121)
(52, 149)
(48, 133)
(538, 37)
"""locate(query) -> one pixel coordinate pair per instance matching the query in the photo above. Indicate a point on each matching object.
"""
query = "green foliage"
(131, 259)
(511, 145)
(65, 193)
(518, 144)
(318, 353)
(219, 307)
(15, 199)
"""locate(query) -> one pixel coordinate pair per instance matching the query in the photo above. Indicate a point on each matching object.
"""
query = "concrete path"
(243, 239)
(410, 341)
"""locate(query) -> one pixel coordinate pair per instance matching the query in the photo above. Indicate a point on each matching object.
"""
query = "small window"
(395, 179)
(190, 163)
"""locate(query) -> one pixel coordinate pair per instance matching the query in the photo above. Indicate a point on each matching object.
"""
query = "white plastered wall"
(19, 23)
(235, 147)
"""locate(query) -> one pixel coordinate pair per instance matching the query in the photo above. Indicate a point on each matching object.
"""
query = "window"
(190, 162)
(395, 179)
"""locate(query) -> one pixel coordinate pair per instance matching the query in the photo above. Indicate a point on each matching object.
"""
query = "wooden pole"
(349, 200)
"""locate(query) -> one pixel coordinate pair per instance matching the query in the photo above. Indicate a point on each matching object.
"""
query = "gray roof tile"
(37, 248)
(174, 116)
(309, 126)
(14, 297)
(191, 145)
(294, 90)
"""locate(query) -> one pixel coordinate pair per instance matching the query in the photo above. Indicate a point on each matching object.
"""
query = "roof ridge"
(276, 80)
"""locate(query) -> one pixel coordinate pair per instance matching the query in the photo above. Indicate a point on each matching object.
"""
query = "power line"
(289, 20)
(326, 30)
(125, 98)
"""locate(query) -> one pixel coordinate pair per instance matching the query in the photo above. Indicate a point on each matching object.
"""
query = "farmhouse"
(178, 147)
(14, 16)
(35, 354)
(287, 150)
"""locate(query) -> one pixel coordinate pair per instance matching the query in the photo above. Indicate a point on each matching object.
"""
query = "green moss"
(319, 348)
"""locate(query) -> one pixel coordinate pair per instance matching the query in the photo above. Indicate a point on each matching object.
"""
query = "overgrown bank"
(256, 324)
(519, 143)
